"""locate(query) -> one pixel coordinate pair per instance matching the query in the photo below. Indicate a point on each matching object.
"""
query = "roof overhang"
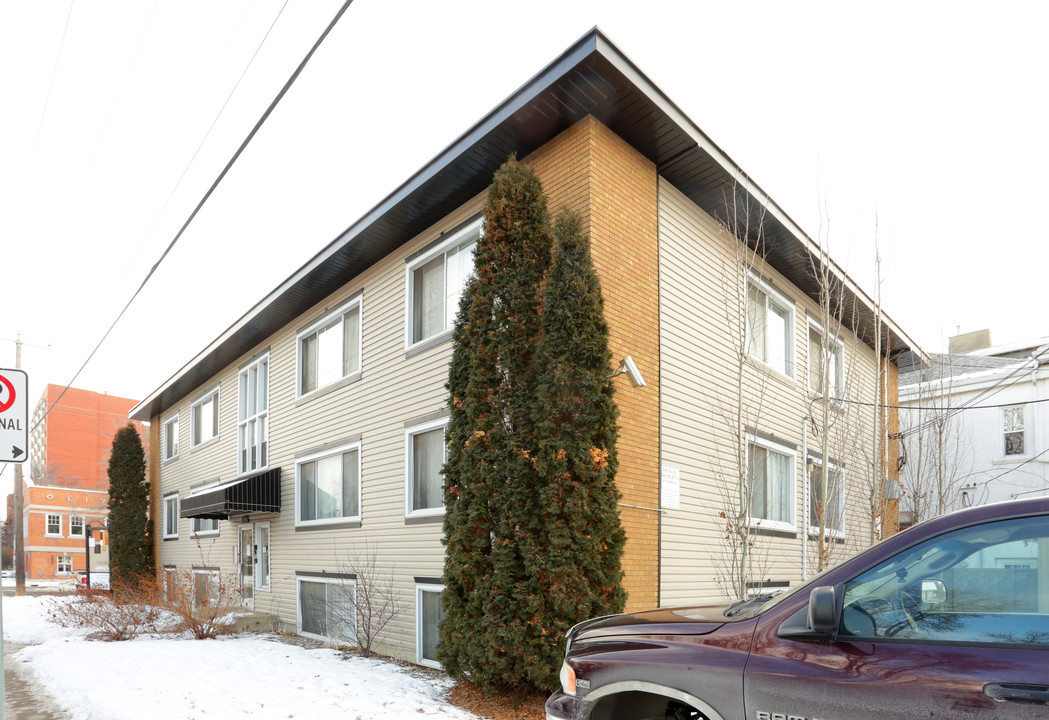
(593, 78)
(256, 494)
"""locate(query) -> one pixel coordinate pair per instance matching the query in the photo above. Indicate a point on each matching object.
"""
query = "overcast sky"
(929, 116)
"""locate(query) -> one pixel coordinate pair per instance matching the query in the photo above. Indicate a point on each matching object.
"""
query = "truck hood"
(698, 620)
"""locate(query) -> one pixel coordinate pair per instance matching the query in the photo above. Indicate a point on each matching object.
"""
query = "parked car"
(7, 574)
(947, 619)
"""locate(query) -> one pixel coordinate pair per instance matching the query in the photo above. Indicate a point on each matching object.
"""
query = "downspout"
(805, 496)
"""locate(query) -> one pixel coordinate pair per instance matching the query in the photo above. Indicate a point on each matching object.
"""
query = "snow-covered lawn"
(174, 676)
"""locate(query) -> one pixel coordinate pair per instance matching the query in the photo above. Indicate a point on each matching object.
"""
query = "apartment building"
(68, 485)
(313, 427)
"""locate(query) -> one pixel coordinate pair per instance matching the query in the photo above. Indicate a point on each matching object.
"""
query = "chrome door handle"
(1018, 692)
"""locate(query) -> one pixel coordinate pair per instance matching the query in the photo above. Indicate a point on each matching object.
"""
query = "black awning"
(256, 494)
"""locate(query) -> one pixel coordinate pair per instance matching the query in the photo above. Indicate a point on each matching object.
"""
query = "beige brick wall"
(591, 170)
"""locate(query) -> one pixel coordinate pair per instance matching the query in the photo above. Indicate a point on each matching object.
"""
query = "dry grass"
(497, 707)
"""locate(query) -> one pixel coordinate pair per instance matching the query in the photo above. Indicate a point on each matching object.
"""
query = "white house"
(974, 426)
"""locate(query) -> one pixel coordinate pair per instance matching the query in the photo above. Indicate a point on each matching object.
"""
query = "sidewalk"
(24, 699)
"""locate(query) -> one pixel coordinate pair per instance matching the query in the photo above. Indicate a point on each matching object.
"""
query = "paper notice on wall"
(670, 488)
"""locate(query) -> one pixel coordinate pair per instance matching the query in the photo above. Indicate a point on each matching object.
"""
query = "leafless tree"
(940, 457)
(742, 558)
(370, 603)
(834, 383)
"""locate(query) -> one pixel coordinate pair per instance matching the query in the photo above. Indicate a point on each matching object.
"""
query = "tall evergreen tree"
(575, 571)
(489, 476)
(131, 547)
(534, 542)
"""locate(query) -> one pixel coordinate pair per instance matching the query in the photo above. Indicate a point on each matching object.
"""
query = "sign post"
(14, 416)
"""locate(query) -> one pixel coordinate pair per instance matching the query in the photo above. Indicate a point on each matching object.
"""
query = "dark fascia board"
(172, 391)
(462, 170)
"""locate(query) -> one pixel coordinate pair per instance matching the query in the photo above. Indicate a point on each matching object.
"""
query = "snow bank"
(253, 675)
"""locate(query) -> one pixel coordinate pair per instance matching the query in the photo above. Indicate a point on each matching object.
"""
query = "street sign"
(14, 416)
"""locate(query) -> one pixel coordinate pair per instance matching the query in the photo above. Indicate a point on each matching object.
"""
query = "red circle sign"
(10, 394)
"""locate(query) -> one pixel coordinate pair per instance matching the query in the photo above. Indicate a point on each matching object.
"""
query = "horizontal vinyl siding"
(697, 260)
(393, 389)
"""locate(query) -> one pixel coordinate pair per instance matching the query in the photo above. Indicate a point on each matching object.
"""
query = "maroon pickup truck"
(948, 619)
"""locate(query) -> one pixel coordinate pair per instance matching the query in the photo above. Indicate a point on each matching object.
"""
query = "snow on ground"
(250, 675)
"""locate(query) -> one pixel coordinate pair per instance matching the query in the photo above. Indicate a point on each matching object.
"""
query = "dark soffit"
(590, 78)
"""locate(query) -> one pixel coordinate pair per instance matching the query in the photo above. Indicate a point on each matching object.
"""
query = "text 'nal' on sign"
(14, 416)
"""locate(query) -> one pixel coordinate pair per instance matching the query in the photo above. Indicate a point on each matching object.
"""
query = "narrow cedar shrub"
(130, 542)
(575, 570)
(489, 478)
(534, 542)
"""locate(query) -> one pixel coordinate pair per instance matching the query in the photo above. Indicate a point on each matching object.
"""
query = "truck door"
(956, 626)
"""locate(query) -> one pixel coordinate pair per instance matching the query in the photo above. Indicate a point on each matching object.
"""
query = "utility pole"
(19, 543)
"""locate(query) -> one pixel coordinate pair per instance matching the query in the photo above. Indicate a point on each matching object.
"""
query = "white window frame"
(792, 490)
(409, 464)
(830, 532)
(213, 396)
(299, 580)
(170, 454)
(837, 348)
(168, 500)
(419, 590)
(194, 523)
(68, 563)
(47, 525)
(215, 579)
(1027, 448)
(334, 317)
(258, 421)
(773, 297)
(196, 532)
(299, 462)
(83, 524)
(451, 306)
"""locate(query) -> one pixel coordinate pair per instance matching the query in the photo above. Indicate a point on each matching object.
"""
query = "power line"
(214, 122)
(54, 72)
(236, 155)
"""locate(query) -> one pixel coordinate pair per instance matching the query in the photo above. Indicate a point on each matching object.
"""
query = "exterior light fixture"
(629, 367)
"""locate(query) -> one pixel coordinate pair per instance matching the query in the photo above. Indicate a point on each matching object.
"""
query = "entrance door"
(247, 564)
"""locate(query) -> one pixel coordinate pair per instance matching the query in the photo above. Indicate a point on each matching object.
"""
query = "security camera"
(630, 368)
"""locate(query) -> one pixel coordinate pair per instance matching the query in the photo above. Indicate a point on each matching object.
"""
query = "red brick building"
(68, 485)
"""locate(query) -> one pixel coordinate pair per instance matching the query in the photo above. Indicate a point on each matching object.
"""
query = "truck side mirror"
(934, 592)
(823, 610)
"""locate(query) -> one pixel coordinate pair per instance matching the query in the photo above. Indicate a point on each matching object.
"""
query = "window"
(65, 563)
(262, 564)
(830, 507)
(252, 432)
(205, 588)
(770, 327)
(826, 361)
(204, 527)
(76, 526)
(327, 608)
(428, 615)
(168, 581)
(171, 516)
(330, 349)
(435, 282)
(771, 477)
(171, 438)
(425, 486)
(54, 525)
(329, 486)
(980, 584)
(1013, 427)
(204, 418)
